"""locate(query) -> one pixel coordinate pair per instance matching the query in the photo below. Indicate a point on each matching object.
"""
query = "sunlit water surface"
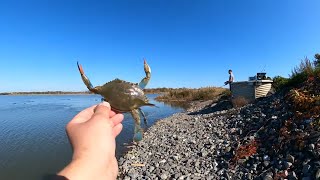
(33, 141)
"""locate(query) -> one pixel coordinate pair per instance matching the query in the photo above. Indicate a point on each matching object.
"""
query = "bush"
(279, 82)
(297, 79)
(317, 60)
(305, 66)
(299, 74)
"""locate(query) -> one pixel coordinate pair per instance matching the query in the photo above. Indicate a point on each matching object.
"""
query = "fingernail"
(104, 103)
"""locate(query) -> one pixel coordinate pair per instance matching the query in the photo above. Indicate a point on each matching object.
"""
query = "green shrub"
(317, 60)
(297, 79)
(299, 74)
(279, 82)
(305, 66)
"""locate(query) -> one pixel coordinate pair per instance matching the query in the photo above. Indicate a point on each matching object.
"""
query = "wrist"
(85, 168)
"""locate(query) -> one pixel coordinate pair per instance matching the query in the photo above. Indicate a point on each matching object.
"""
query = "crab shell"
(123, 96)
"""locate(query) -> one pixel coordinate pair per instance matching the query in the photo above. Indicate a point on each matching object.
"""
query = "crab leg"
(138, 134)
(144, 117)
(86, 80)
(146, 79)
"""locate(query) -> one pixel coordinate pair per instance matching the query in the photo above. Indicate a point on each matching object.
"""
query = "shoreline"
(43, 94)
(49, 93)
(215, 141)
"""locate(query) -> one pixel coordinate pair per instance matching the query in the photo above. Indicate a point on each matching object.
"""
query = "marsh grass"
(185, 94)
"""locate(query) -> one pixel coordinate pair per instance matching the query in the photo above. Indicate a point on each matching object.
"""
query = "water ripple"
(33, 141)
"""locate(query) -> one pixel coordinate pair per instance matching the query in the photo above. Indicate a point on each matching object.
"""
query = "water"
(33, 142)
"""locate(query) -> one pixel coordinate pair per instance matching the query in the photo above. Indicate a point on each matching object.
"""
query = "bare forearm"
(81, 170)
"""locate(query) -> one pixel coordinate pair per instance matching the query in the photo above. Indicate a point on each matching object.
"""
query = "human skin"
(92, 135)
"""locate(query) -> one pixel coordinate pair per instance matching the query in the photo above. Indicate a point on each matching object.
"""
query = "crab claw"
(147, 69)
(146, 79)
(80, 68)
(86, 80)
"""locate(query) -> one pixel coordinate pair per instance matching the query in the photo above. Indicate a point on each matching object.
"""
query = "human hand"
(92, 135)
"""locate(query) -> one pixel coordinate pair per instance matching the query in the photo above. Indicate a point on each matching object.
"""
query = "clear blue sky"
(188, 43)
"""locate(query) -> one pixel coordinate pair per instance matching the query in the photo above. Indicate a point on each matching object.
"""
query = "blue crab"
(124, 96)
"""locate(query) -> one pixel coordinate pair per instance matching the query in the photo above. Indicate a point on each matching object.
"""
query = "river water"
(33, 142)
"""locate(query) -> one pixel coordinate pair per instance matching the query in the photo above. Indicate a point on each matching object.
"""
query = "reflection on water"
(33, 141)
(177, 104)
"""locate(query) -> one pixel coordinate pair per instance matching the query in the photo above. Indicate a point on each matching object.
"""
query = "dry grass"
(305, 66)
(185, 94)
(157, 90)
(239, 102)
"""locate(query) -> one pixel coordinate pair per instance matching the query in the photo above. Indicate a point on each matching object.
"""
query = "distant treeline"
(45, 92)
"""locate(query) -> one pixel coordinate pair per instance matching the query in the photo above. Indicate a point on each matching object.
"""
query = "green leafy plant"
(279, 82)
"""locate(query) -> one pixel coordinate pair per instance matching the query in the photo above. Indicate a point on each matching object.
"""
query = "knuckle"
(68, 126)
(100, 115)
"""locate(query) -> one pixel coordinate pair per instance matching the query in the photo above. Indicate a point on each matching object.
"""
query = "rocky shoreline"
(216, 141)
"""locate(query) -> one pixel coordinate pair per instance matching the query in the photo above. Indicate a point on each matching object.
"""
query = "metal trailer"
(251, 90)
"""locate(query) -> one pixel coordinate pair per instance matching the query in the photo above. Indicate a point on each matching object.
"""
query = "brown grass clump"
(306, 100)
(239, 102)
(246, 150)
(185, 94)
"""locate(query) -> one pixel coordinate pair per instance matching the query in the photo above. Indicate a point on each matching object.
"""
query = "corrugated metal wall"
(251, 89)
(262, 90)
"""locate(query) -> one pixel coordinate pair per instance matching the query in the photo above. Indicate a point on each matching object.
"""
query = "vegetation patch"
(200, 94)
(305, 71)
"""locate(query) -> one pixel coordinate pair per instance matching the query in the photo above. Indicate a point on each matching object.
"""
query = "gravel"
(203, 143)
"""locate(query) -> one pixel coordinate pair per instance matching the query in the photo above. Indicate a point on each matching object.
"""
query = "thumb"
(102, 109)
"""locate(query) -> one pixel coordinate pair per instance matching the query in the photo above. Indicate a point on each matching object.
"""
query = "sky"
(187, 43)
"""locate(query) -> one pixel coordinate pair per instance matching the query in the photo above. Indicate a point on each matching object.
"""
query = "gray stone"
(197, 164)
(306, 169)
(266, 158)
(220, 172)
(290, 158)
(267, 177)
(151, 168)
(266, 163)
(204, 153)
(318, 174)
(133, 174)
(176, 158)
(306, 178)
(292, 176)
(317, 164)
(241, 161)
(164, 176)
(311, 146)
(287, 165)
